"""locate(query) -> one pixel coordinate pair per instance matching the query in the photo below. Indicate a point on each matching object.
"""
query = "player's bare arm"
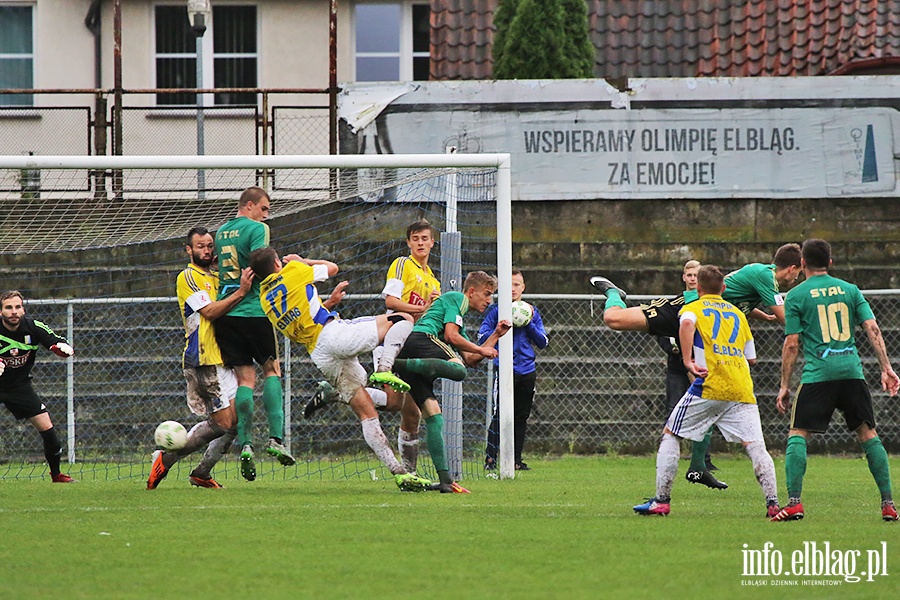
(686, 340)
(397, 305)
(789, 352)
(337, 294)
(761, 315)
(778, 311)
(332, 267)
(889, 380)
(221, 307)
(488, 346)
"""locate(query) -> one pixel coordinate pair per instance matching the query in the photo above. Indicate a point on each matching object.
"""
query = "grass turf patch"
(563, 530)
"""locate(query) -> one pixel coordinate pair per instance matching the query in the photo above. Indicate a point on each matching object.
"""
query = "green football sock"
(273, 401)
(698, 453)
(434, 439)
(795, 464)
(432, 367)
(877, 458)
(613, 298)
(243, 406)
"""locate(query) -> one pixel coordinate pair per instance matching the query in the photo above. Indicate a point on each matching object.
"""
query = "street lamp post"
(198, 13)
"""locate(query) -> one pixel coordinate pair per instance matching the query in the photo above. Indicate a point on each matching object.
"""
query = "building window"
(392, 41)
(16, 53)
(229, 54)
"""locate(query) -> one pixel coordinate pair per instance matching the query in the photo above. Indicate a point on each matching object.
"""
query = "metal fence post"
(70, 383)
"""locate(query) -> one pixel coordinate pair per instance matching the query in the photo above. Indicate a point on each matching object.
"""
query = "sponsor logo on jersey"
(17, 361)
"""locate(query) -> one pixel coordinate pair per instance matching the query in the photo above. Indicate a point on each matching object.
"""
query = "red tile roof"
(695, 38)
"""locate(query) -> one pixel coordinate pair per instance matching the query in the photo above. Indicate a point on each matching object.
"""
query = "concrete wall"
(642, 244)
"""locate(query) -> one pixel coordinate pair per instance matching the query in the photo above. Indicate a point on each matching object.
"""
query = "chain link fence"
(598, 391)
(299, 130)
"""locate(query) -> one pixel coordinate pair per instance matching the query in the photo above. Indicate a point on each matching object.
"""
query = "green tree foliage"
(542, 39)
(581, 52)
(503, 17)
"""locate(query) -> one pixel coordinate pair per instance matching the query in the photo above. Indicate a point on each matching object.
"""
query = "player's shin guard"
(408, 445)
(877, 458)
(434, 439)
(699, 451)
(795, 464)
(243, 406)
(214, 453)
(378, 442)
(273, 401)
(52, 449)
(666, 466)
(764, 469)
(613, 298)
(433, 367)
(393, 342)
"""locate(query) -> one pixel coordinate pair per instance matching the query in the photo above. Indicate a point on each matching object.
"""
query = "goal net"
(95, 243)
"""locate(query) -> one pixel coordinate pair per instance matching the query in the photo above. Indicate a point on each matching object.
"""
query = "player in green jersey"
(438, 335)
(821, 314)
(245, 335)
(750, 286)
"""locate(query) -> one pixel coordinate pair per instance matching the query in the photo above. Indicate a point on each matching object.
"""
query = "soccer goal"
(95, 243)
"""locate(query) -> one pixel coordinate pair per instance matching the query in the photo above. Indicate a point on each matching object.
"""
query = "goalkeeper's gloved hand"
(2, 366)
(62, 349)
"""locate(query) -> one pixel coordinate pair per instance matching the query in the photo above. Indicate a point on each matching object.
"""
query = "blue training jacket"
(524, 339)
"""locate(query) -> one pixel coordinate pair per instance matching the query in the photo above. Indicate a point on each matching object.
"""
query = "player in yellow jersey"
(721, 394)
(211, 387)
(411, 287)
(290, 300)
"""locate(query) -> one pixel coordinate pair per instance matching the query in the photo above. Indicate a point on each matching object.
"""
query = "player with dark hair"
(430, 353)
(210, 386)
(21, 336)
(750, 286)
(291, 302)
(721, 395)
(525, 340)
(821, 315)
(244, 334)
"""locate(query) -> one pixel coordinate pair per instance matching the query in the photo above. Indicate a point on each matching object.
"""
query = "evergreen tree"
(542, 41)
(503, 17)
(577, 32)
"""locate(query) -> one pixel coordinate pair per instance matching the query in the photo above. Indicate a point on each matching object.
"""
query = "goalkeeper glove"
(62, 349)
(2, 366)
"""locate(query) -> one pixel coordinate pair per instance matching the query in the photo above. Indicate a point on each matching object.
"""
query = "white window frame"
(24, 56)
(209, 58)
(405, 54)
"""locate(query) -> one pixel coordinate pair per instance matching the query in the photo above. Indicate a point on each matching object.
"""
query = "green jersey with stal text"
(752, 285)
(825, 311)
(235, 240)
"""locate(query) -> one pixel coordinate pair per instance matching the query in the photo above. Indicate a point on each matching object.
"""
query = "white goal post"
(20, 176)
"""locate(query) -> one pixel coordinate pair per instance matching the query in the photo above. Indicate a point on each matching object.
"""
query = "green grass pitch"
(563, 530)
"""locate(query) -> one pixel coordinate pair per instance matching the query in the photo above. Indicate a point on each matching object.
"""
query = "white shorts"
(693, 416)
(337, 350)
(210, 388)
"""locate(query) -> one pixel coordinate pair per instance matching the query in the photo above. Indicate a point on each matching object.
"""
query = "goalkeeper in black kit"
(20, 337)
